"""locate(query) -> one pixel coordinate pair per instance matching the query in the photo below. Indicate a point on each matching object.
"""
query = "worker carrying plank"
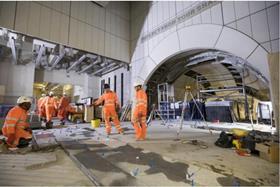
(139, 112)
(111, 102)
(62, 108)
(50, 105)
(41, 110)
(16, 128)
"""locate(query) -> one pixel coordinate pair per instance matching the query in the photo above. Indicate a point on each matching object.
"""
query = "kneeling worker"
(139, 112)
(16, 128)
(110, 100)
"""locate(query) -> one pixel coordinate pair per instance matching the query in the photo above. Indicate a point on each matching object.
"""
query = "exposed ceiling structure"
(219, 73)
(48, 86)
(51, 56)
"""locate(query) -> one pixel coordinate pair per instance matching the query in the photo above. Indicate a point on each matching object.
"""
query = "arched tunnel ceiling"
(229, 71)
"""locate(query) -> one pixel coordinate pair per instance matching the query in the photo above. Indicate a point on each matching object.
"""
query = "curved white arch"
(208, 36)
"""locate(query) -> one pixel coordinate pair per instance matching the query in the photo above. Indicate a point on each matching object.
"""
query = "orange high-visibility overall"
(62, 108)
(109, 109)
(140, 114)
(41, 110)
(50, 107)
(15, 125)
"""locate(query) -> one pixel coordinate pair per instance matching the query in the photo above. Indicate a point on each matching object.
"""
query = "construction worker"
(111, 102)
(16, 128)
(62, 108)
(139, 113)
(41, 110)
(50, 104)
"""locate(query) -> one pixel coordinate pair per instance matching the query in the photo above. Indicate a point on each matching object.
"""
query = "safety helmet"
(106, 86)
(24, 99)
(137, 83)
(64, 93)
(43, 95)
(51, 93)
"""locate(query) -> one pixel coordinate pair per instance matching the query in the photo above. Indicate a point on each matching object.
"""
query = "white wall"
(126, 83)
(246, 29)
(82, 25)
(18, 80)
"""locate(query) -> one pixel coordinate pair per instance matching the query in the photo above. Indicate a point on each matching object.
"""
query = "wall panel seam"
(104, 30)
(249, 15)
(69, 22)
(52, 8)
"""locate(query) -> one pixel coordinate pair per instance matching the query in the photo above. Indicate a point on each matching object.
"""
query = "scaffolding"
(166, 103)
(231, 92)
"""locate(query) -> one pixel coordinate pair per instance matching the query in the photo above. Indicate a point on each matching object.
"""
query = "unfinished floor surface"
(163, 160)
(48, 168)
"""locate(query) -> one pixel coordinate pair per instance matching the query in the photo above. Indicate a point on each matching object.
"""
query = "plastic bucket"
(95, 123)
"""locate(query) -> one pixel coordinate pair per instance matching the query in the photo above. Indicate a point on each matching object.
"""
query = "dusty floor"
(161, 160)
(171, 160)
(49, 168)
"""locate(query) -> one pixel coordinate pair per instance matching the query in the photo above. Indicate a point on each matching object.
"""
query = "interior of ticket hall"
(139, 93)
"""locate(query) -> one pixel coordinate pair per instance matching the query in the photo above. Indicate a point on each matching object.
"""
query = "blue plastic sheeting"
(4, 109)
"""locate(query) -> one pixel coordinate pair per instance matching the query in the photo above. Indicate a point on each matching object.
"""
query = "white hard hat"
(51, 93)
(24, 99)
(137, 83)
(43, 95)
(64, 93)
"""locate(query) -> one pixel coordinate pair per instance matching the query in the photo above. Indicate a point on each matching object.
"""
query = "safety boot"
(49, 125)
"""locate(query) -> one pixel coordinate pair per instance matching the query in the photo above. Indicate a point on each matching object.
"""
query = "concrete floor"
(48, 168)
(210, 164)
(161, 160)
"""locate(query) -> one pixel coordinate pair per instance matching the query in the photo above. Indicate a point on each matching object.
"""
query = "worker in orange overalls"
(111, 102)
(139, 112)
(50, 104)
(62, 108)
(41, 110)
(16, 128)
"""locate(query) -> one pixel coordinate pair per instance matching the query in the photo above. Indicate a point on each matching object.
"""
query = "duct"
(113, 69)
(40, 54)
(25, 52)
(102, 69)
(76, 63)
(13, 48)
(97, 60)
(199, 60)
(91, 56)
(53, 59)
(43, 43)
(57, 60)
